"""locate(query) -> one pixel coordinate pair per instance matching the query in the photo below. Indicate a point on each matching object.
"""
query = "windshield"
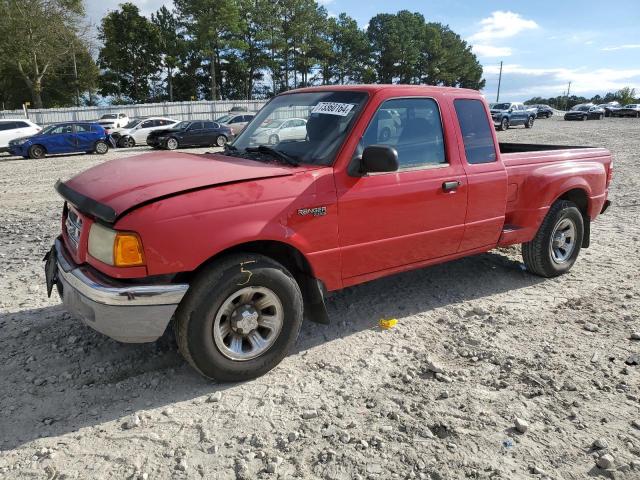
(581, 108)
(108, 116)
(224, 119)
(133, 123)
(49, 129)
(311, 126)
(502, 106)
(181, 125)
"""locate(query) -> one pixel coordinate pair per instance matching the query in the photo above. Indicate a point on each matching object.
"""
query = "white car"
(11, 129)
(274, 131)
(138, 129)
(111, 121)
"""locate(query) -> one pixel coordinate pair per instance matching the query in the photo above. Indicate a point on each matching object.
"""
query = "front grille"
(74, 228)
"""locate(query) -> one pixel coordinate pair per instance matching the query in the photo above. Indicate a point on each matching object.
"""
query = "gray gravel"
(479, 343)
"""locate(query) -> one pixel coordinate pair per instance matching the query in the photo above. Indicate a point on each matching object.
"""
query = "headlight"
(20, 141)
(120, 249)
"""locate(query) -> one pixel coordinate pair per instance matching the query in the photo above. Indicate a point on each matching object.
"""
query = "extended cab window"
(413, 127)
(476, 131)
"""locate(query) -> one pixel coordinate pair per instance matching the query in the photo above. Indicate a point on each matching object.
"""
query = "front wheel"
(556, 246)
(504, 125)
(127, 142)
(274, 140)
(36, 151)
(240, 317)
(529, 123)
(221, 140)
(172, 143)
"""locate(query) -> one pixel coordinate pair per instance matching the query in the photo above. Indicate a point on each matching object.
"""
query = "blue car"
(68, 137)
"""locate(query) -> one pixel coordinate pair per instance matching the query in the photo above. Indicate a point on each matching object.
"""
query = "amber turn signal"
(127, 250)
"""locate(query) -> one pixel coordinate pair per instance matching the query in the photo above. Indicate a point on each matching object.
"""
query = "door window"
(415, 131)
(6, 126)
(82, 128)
(196, 126)
(62, 129)
(476, 132)
(148, 124)
(208, 125)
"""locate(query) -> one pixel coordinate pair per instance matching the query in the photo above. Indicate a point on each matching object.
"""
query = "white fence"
(203, 110)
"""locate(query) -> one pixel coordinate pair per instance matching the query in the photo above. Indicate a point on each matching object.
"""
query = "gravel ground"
(490, 373)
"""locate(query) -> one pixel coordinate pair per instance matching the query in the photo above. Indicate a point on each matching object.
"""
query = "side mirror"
(375, 159)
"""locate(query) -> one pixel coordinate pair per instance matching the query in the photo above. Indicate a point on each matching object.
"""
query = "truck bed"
(537, 174)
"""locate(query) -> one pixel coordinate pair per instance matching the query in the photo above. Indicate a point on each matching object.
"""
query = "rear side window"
(476, 131)
(20, 125)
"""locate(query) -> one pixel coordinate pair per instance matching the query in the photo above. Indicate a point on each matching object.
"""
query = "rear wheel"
(529, 123)
(172, 143)
(556, 246)
(36, 151)
(240, 317)
(101, 147)
(385, 134)
(221, 140)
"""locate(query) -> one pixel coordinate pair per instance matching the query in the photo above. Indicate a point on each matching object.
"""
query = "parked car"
(510, 114)
(111, 121)
(610, 108)
(11, 129)
(190, 134)
(543, 111)
(138, 129)
(585, 112)
(631, 110)
(236, 122)
(68, 137)
(277, 130)
(236, 247)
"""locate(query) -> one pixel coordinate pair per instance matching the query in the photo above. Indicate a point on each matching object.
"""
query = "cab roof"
(426, 89)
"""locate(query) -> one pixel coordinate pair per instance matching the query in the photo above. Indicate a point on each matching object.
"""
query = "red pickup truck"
(236, 247)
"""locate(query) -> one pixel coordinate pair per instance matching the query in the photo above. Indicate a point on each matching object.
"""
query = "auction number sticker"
(333, 108)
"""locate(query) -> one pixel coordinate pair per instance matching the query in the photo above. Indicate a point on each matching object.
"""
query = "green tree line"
(216, 49)
(624, 96)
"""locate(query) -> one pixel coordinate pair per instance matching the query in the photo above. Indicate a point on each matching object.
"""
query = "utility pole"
(75, 73)
(499, 83)
(566, 105)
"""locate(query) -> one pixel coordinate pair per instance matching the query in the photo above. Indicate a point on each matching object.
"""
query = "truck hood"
(110, 189)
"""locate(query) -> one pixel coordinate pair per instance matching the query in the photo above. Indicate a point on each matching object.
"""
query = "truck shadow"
(59, 376)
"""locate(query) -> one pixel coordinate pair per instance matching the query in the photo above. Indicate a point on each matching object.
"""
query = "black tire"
(529, 123)
(504, 125)
(101, 147)
(37, 151)
(537, 254)
(171, 143)
(215, 284)
(127, 142)
(221, 140)
(584, 118)
(274, 139)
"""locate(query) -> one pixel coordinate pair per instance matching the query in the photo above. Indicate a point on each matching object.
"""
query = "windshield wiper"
(274, 153)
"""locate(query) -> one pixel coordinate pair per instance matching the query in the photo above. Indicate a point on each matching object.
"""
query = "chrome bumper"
(124, 312)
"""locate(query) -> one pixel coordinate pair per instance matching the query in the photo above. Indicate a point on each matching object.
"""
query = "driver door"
(388, 220)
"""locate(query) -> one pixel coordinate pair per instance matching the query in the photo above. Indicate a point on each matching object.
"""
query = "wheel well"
(581, 199)
(313, 290)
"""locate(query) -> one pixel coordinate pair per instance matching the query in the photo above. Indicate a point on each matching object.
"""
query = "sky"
(544, 44)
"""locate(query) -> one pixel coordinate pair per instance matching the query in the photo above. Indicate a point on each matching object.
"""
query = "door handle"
(451, 185)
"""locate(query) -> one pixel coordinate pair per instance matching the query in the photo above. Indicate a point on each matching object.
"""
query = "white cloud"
(621, 47)
(491, 51)
(582, 80)
(502, 25)
(324, 2)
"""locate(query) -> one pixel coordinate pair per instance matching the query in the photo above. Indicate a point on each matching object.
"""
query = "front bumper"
(130, 313)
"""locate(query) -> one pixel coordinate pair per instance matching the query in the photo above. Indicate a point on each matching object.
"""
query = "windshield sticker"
(333, 108)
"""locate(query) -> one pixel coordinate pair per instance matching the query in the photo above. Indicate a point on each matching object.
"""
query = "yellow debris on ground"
(386, 324)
